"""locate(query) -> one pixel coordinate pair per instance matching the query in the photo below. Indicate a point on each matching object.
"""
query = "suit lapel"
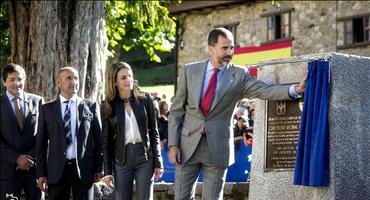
(30, 107)
(6, 105)
(80, 109)
(119, 112)
(199, 74)
(138, 111)
(57, 110)
(227, 79)
(82, 112)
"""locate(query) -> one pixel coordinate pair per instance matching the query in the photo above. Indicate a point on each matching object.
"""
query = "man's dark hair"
(10, 68)
(213, 35)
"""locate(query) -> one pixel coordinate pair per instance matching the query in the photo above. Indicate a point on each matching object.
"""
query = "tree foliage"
(4, 33)
(130, 24)
(143, 24)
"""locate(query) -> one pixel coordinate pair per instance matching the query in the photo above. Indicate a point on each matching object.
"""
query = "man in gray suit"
(18, 120)
(200, 134)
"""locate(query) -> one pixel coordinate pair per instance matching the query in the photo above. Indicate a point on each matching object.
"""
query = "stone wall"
(348, 132)
(274, 185)
(165, 191)
(313, 26)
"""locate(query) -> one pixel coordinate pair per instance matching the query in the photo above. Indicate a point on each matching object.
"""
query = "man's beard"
(225, 59)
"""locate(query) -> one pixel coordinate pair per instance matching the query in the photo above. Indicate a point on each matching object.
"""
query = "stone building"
(313, 26)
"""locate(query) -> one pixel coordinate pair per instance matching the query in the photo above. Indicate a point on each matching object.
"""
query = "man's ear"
(210, 50)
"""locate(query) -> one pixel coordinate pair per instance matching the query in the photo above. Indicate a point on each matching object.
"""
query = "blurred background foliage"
(141, 33)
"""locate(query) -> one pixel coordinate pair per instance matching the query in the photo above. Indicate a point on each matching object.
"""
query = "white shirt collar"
(210, 67)
(21, 96)
(73, 99)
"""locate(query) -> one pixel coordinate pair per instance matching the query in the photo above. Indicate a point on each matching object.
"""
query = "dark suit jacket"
(13, 140)
(51, 156)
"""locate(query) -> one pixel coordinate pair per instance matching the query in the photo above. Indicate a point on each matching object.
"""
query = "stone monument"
(277, 125)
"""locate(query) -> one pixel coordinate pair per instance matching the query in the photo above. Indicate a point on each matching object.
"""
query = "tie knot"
(15, 99)
(216, 70)
(66, 101)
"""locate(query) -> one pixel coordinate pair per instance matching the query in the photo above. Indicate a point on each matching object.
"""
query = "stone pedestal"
(349, 131)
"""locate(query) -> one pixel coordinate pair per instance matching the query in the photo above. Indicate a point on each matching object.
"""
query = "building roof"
(188, 5)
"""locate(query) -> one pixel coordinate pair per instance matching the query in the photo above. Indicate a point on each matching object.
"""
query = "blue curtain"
(312, 163)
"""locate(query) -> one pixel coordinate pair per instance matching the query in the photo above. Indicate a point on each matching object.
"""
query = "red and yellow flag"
(246, 56)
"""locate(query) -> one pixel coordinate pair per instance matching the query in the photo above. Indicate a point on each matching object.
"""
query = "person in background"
(164, 107)
(18, 120)
(130, 137)
(156, 101)
(241, 132)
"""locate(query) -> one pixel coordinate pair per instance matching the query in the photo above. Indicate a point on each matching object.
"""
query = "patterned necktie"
(18, 113)
(208, 96)
(67, 123)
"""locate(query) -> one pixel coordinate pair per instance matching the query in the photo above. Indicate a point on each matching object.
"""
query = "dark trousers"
(70, 181)
(137, 168)
(26, 180)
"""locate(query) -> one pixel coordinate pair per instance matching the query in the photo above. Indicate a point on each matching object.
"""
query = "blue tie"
(67, 123)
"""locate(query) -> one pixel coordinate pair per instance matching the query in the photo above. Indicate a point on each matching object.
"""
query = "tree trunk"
(48, 35)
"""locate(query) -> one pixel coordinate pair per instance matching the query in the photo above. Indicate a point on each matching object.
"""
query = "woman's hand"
(109, 181)
(158, 172)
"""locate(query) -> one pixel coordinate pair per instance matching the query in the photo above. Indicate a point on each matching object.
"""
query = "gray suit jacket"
(51, 142)
(13, 140)
(186, 120)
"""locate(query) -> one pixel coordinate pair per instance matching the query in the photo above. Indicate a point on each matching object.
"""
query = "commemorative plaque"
(283, 122)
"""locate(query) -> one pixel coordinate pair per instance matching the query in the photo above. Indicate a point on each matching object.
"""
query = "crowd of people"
(243, 121)
(65, 145)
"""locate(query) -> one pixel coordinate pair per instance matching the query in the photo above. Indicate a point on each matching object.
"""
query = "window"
(231, 28)
(278, 24)
(356, 30)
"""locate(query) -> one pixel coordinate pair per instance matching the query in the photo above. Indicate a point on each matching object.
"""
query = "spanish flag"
(247, 56)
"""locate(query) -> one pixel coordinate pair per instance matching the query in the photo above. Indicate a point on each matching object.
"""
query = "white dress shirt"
(132, 133)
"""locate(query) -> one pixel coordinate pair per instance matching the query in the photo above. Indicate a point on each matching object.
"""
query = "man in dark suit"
(19, 111)
(68, 147)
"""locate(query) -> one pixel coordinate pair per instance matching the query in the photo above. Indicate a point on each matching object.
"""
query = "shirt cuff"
(292, 93)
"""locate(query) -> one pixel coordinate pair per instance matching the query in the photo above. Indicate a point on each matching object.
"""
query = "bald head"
(68, 81)
(68, 68)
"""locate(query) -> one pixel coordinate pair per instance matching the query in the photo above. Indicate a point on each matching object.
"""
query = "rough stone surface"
(165, 191)
(349, 132)
(349, 115)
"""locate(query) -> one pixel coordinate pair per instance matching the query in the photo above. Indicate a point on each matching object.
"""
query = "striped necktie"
(67, 123)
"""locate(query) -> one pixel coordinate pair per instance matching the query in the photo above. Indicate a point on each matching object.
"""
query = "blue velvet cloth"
(312, 163)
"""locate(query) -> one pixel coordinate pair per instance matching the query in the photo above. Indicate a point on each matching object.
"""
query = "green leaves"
(4, 34)
(140, 23)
